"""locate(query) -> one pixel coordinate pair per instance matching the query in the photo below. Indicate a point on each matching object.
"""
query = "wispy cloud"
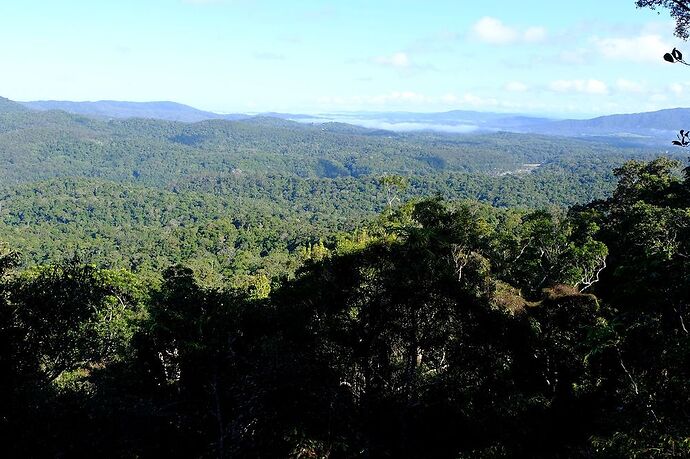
(400, 61)
(443, 41)
(641, 48)
(397, 60)
(590, 86)
(516, 86)
(629, 86)
(534, 35)
(406, 99)
(493, 31)
(388, 99)
(679, 89)
(399, 96)
(470, 99)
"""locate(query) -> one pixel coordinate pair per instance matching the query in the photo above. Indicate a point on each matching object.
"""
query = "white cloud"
(413, 99)
(666, 28)
(391, 98)
(642, 48)
(398, 60)
(624, 85)
(494, 31)
(515, 86)
(679, 89)
(450, 99)
(590, 86)
(478, 101)
(534, 35)
(397, 97)
(676, 88)
(410, 127)
(658, 98)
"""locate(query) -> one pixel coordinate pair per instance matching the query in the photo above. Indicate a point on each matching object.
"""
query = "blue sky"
(577, 58)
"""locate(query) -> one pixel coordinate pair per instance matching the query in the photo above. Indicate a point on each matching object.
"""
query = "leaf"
(668, 58)
(677, 55)
(682, 132)
(676, 142)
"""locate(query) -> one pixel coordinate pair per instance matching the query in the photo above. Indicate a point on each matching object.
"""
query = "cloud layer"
(493, 31)
(641, 48)
(398, 60)
(590, 86)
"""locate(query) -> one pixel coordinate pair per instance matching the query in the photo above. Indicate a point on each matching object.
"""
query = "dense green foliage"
(262, 288)
(40, 145)
(245, 197)
(128, 225)
(442, 330)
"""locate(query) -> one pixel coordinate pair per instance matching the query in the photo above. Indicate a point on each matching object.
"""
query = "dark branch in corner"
(683, 139)
(674, 57)
(682, 4)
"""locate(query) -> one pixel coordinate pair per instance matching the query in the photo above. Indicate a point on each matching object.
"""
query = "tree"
(73, 316)
(393, 185)
(679, 10)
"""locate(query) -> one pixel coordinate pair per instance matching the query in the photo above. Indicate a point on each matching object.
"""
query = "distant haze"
(647, 128)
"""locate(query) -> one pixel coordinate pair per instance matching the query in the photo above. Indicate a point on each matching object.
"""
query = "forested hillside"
(170, 111)
(157, 152)
(648, 128)
(441, 330)
(262, 288)
(142, 193)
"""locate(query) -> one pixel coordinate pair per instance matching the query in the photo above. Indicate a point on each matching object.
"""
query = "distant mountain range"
(657, 127)
(8, 106)
(649, 127)
(169, 111)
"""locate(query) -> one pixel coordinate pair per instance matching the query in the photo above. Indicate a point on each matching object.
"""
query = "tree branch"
(682, 5)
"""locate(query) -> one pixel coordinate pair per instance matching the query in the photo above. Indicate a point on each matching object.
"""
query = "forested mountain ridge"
(658, 124)
(170, 111)
(642, 128)
(59, 170)
(8, 106)
(156, 152)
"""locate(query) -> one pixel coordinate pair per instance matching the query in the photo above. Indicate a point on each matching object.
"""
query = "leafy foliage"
(443, 329)
(679, 11)
(265, 289)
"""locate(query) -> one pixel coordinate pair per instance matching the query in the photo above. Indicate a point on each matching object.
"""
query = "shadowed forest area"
(441, 329)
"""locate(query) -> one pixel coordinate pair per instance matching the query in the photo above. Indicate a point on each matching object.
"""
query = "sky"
(570, 59)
